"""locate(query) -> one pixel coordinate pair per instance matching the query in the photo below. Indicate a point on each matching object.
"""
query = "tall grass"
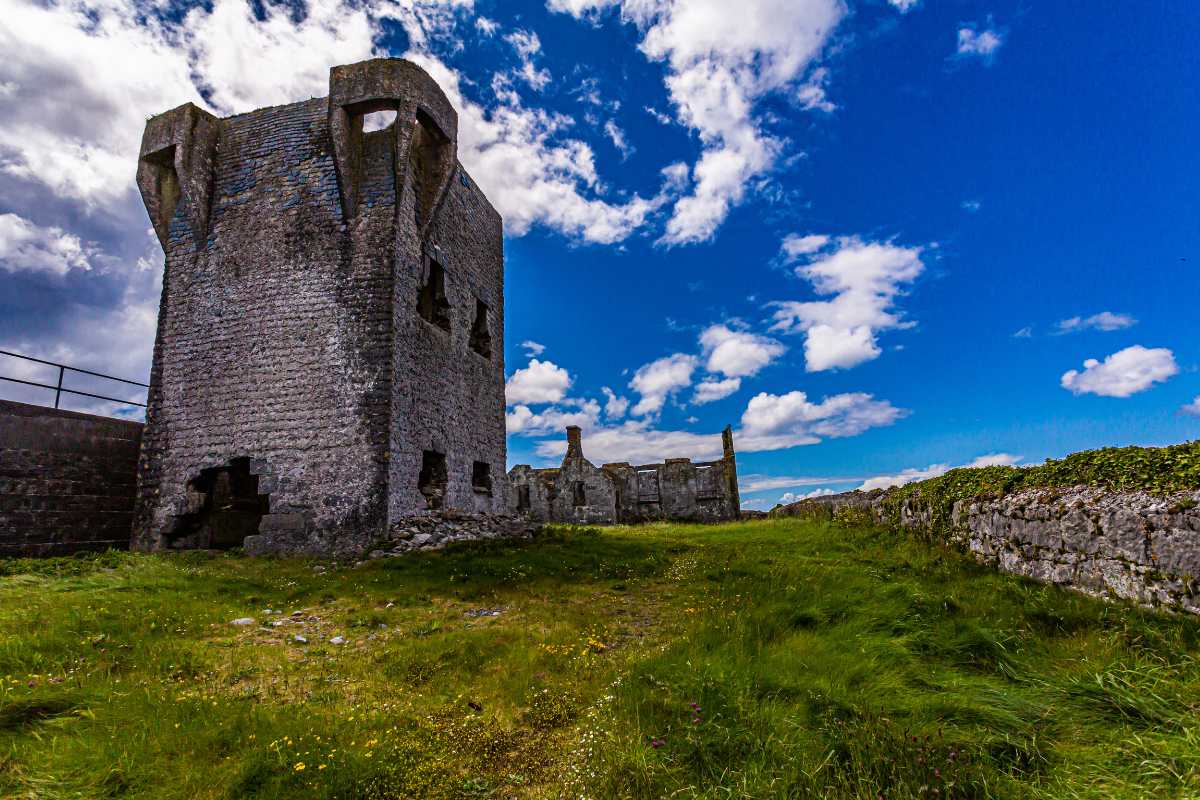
(779, 658)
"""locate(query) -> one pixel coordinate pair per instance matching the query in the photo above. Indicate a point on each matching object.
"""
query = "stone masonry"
(329, 355)
(579, 492)
(67, 480)
(1128, 545)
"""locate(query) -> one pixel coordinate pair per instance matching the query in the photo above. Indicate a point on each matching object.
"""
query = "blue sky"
(878, 238)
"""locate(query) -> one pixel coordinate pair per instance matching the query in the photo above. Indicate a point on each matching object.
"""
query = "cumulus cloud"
(1104, 321)
(794, 246)
(1192, 408)
(976, 43)
(791, 497)
(864, 279)
(737, 353)
(773, 422)
(615, 405)
(29, 247)
(523, 420)
(1124, 373)
(722, 58)
(710, 390)
(533, 348)
(540, 382)
(660, 379)
(934, 470)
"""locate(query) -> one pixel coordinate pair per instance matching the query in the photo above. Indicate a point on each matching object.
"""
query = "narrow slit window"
(481, 477)
(432, 480)
(432, 303)
(481, 337)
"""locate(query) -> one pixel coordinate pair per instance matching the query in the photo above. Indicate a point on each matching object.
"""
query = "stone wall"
(1128, 545)
(67, 480)
(329, 355)
(581, 493)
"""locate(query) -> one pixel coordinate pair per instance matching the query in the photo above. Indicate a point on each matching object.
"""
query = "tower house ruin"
(329, 353)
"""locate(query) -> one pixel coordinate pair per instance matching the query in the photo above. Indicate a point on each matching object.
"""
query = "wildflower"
(299, 766)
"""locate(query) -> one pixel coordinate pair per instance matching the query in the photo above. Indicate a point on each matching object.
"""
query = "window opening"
(432, 480)
(481, 337)
(523, 503)
(432, 304)
(579, 494)
(481, 477)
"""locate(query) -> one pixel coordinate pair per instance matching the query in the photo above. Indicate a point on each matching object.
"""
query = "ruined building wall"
(292, 364)
(676, 489)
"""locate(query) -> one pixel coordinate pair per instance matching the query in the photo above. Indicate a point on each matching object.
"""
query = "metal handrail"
(62, 369)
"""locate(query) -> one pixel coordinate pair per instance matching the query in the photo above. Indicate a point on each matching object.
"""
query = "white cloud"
(486, 26)
(1104, 321)
(971, 206)
(615, 405)
(811, 94)
(982, 44)
(1124, 373)
(710, 390)
(124, 350)
(795, 245)
(617, 136)
(530, 172)
(540, 382)
(637, 442)
(864, 278)
(904, 6)
(1024, 333)
(1192, 408)
(721, 58)
(533, 348)
(934, 470)
(660, 379)
(527, 45)
(659, 116)
(760, 483)
(32, 248)
(773, 422)
(737, 353)
(792, 497)
(521, 419)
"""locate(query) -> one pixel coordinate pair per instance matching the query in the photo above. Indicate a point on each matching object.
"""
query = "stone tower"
(329, 355)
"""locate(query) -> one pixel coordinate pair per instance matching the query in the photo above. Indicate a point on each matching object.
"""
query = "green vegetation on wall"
(1158, 470)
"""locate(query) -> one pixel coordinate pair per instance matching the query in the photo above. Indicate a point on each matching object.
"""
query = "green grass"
(778, 658)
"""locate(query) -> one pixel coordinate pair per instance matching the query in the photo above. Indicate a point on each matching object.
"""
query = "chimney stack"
(574, 443)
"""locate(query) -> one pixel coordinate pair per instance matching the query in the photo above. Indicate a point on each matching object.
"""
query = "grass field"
(767, 659)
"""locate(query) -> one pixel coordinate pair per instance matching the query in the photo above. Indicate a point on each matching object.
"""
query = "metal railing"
(62, 370)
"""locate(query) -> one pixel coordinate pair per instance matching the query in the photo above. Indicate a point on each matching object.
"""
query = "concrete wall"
(289, 346)
(67, 480)
(1127, 545)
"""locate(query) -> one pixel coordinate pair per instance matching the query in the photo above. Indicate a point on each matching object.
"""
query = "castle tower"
(329, 355)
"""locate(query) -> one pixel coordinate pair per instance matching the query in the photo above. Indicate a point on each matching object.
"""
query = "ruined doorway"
(227, 508)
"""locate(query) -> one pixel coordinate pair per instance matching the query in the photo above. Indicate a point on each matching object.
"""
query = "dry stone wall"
(1131, 546)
